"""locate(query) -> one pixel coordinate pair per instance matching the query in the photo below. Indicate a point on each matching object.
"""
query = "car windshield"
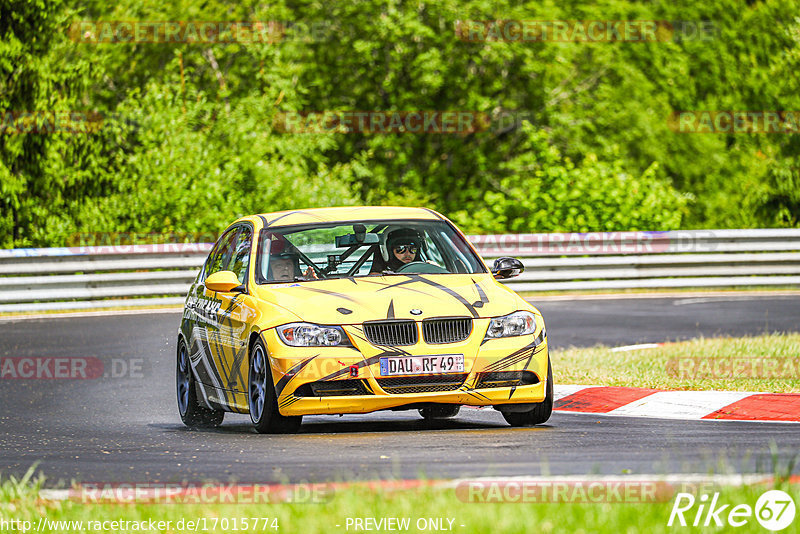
(355, 249)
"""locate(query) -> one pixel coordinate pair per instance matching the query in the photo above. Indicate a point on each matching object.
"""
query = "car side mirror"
(507, 268)
(224, 282)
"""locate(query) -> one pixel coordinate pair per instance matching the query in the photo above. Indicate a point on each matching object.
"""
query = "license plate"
(422, 365)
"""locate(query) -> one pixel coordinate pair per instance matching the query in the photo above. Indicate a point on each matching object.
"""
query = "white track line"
(640, 346)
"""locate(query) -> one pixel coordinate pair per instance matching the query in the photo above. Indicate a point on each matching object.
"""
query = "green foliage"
(578, 141)
(33, 80)
(199, 164)
(544, 191)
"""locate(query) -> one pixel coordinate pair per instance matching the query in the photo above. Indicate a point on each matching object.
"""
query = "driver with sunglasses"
(403, 245)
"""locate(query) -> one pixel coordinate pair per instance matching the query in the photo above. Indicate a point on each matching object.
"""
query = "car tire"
(261, 398)
(540, 413)
(192, 413)
(446, 411)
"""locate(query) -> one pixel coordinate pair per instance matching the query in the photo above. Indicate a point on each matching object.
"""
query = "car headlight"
(312, 335)
(519, 323)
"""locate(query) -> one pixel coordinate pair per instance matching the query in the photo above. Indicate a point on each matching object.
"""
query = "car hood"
(355, 300)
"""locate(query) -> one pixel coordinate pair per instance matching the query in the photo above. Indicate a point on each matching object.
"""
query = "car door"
(205, 306)
(236, 308)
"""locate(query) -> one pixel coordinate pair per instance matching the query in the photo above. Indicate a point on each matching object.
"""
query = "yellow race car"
(353, 310)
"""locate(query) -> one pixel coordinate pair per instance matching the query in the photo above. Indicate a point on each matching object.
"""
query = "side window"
(208, 262)
(241, 254)
(220, 258)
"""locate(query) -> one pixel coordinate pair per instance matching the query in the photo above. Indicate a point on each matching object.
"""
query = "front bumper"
(372, 403)
(295, 368)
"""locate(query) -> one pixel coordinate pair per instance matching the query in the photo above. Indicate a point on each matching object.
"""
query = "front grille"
(332, 388)
(392, 332)
(421, 384)
(506, 379)
(437, 331)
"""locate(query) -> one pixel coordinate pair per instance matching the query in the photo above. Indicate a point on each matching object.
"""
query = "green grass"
(731, 364)
(19, 501)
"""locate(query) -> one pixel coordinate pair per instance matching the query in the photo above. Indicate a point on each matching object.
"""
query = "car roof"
(343, 214)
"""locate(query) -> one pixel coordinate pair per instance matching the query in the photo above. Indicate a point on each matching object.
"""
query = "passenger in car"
(283, 268)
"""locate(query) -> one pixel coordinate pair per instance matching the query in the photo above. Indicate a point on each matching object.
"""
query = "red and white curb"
(693, 405)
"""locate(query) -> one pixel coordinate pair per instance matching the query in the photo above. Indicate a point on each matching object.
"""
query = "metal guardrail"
(98, 277)
(146, 275)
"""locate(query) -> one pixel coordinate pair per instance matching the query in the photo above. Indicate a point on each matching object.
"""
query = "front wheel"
(540, 413)
(193, 414)
(262, 400)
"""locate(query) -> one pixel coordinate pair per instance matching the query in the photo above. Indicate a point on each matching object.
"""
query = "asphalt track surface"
(127, 429)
